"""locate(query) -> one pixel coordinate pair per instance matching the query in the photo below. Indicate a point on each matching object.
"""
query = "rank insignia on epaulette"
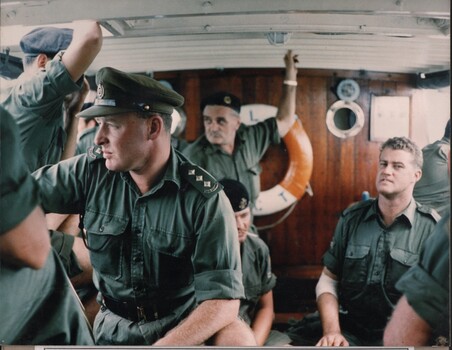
(94, 152)
(200, 179)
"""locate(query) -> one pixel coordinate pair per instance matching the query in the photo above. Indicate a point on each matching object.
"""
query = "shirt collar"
(171, 174)
(407, 214)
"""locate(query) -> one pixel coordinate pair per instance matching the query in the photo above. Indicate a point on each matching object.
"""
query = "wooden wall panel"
(343, 168)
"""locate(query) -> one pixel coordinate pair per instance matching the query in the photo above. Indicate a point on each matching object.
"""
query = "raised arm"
(328, 305)
(286, 108)
(85, 45)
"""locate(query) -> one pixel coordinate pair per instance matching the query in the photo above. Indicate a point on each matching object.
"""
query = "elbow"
(93, 37)
(39, 262)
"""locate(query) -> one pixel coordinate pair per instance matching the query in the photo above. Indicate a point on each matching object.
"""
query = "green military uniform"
(250, 145)
(433, 189)
(38, 307)
(258, 278)
(426, 285)
(369, 258)
(167, 249)
(36, 104)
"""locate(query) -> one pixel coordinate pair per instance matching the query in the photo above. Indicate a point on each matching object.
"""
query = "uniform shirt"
(173, 241)
(258, 278)
(38, 307)
(426, 285)
(250, 145)
(433, 189)
(36, 104)
(369, 258)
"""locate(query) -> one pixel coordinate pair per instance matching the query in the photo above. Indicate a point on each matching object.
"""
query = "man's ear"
(155, 126)
(418, 175)
(41, 60)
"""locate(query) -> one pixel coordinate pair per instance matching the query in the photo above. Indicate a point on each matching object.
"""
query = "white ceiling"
(399, 36)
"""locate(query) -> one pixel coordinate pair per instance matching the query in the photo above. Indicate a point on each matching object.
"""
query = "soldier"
(232, 150)
(39, 306)
(161, 233)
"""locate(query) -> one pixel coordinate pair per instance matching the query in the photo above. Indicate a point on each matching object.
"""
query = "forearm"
(206, 320)
(262, 324)
(85, 45)
(287, 103)
(329, 313)
(406, 327)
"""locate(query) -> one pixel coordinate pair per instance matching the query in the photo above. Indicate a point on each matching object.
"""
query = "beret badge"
(227, 100)
(243, 203)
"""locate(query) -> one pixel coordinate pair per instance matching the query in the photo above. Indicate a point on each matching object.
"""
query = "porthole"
(344, 119)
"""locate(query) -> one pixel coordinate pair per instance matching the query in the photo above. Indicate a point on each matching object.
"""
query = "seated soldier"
(256, 309)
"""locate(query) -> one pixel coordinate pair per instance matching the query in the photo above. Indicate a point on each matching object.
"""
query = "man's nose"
(99, 138)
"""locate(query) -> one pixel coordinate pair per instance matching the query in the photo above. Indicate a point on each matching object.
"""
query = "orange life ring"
(296, 180)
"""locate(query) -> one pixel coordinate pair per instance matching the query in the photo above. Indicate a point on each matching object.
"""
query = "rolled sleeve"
(223, 284)
(426, 284)
(216, 260)
(19, 193)
(427, 297)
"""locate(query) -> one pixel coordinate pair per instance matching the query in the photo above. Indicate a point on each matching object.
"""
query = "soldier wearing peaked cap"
(161, 233)
(233, 150)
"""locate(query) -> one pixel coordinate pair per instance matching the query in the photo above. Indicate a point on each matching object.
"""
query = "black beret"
(119, 92)
(222, 99)
(47, 40)
(237, 194)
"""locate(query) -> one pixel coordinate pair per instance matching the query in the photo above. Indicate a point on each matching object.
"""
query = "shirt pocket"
(355, 264)
(105, 237)
(398, 263)
(169, 258)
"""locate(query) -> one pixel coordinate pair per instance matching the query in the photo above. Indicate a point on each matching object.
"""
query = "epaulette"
(358, 205)
(200, 179)
(429, 211)
(94, 152)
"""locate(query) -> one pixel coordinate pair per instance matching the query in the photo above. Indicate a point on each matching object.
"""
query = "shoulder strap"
(200, 179)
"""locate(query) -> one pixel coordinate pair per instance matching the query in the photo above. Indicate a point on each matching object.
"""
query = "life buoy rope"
(296, 180)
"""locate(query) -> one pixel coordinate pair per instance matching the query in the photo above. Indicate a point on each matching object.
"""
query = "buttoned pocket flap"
(357, 251)
(104, 224)
(404, 257)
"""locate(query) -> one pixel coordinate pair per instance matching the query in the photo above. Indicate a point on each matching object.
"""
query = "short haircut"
(405, 144)
(167, 118)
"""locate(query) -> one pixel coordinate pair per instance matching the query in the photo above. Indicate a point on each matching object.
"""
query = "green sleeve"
(19, 193)
(216, 260)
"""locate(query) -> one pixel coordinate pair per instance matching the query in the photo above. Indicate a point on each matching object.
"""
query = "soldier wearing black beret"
(161, 233)
(231, 149)
(256, 308)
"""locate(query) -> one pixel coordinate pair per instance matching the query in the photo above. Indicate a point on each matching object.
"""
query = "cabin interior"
(396, 53)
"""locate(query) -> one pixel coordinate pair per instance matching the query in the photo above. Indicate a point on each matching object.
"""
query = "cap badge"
(243, 203)
(100, 90)
(227, 100)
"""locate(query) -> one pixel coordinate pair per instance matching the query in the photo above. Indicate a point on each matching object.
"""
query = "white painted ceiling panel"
(399, 36)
